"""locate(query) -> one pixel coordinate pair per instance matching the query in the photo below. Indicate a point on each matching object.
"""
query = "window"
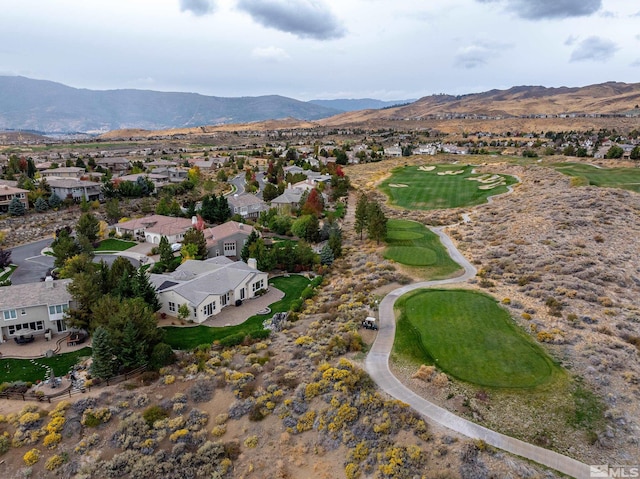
(10, 314)
(229, 247)
(23, 312)
(257, 285)
(57, 310)
(242, 293)
(209, 308)
(224, 299)
(172, 307)
(25, 328)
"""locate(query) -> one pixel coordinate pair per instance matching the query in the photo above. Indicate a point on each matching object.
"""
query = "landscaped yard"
(626, 178)
(24, 370)
(112, 244)
(5, 276)
(413, 244)
(189, 337)
(470, 337)
(442, 186)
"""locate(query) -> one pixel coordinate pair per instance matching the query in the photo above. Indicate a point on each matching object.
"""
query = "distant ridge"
(360, 104)
(45, 106)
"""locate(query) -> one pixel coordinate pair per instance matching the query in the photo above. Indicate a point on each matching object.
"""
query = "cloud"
(478, 54)
(636, 63)
(198, 7)
(303, 18)
(571, 39)
(272, 54)
(595, 49)
(549, 9)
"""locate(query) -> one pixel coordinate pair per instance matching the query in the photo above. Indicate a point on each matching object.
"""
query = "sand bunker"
(490, 187)
(456, 172)
(398, 185)
(426, 168)
(486, 179)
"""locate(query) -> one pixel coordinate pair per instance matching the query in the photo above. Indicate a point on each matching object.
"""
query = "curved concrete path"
(377, 365)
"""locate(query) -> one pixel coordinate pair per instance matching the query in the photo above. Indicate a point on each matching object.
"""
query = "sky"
(321, 49)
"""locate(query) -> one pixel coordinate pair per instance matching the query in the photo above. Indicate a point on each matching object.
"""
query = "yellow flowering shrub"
(52, 439)
(31, 457)
(178, 434)
(305, 423)
(169, 379)
(251, 441)
(54, 462)
(56, 424)
(219, 430)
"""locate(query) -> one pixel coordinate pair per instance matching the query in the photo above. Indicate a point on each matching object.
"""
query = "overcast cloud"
(309, 49)
(303, 18)
(594, 49)
(197, 7)
(545, 9)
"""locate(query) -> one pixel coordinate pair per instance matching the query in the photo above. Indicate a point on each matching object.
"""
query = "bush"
(202, 391)
(232, 340)
(153, 414)
(162, 355)
(5, 444)
(31, 457)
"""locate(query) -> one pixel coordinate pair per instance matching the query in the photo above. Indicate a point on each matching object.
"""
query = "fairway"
(413, 244)
(442, 186)
(625, 178)
(470, 337)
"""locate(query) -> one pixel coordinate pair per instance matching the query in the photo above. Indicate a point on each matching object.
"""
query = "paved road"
(33, 266)
(377, 365)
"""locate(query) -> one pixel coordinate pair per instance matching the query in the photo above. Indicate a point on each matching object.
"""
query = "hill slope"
(359, 104)
(45, 106)
(605, 98)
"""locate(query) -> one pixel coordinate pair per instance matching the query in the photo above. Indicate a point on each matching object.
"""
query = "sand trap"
(486, 179)
(426, 168)
(490, 187)
(456, 172)
(398, 185)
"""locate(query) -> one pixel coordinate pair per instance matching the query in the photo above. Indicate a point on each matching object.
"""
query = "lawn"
(113, 244)
(189, 337)
(413, 244)
(470, 337)
(626, 178)
(24, 370)
(420, 188)
(7, 275)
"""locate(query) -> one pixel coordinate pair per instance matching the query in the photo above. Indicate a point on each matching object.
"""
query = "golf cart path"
(377, 365)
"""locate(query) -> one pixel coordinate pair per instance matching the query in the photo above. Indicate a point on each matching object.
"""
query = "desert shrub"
(54, 462)
(441, 380)
(95, 417)
(197, 419)
(149, 377)
(251, 441)
(232, 340)
(162, 355)
(31, 457)
(153, 414)
(5, 444)
(201, 391)
(424, 373)
(219, 430)
(80, 406)
(52, 440)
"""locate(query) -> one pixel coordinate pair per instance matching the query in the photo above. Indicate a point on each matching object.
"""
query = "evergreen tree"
(88, 226)
(16, 207)
(31, 168)
(64, 247)
(102, 366)
(335, 242)
(163, 207)
(5, 257)
(41, 204)
(361, 214)
(223, 213)
(112, 209)
(165, 251)
(131, 353)
(142, 288)
(376, 222)
(44, 187)
(195, 237)
(54, 201)
(244, 253)
(326, 255)
(262, 255)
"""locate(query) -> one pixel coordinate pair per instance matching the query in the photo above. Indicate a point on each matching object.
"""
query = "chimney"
(194, 220)
(253, 263)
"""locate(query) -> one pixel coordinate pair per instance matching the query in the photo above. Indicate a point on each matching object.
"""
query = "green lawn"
(470, 337)
(414, 188)
(413, 244)
(189, 337)
(24, 370)
(7, 275)
(113, 244)
(626, 178)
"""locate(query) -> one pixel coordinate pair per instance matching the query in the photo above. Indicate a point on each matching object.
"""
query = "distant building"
(247, 205)
(227, 239)
(8, 193)
(64, 172)
(152, 228)
(75, 188)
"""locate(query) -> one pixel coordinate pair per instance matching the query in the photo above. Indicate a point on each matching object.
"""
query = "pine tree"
(326, 255)
(361, 214)
(5, 257)
(223, 213)
(165, 251)
(142, 288)
(335, 242)
(41, 204)
(376, 222)
(102, 366)
(88, 226)
(54, 201)
(195, 237)
(132, 349)
(16, 207)
(244, 253)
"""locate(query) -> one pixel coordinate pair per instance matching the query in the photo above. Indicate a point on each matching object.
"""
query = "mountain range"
(48, 107)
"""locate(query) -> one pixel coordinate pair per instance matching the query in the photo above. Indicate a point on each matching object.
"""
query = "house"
(246, 205)
(75, 188)
(227, 239)
(114, 165)
(8, 193)
(158, 180)
(33, 308)
(161, 164)
(63, 172)
(174, 175)
(153, 228)
(288, 200)
(206, 287)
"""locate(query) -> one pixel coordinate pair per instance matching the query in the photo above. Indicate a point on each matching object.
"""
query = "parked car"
(24, 339)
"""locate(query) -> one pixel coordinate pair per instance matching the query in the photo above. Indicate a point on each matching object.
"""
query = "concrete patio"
(39, 347)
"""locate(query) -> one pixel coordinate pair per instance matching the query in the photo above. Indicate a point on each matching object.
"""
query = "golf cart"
(370, 323)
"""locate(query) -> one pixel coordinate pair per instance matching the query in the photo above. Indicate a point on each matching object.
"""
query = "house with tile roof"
(152, 228)
(33, 308)
(246, 205)
(227, 239)
(207, 287)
